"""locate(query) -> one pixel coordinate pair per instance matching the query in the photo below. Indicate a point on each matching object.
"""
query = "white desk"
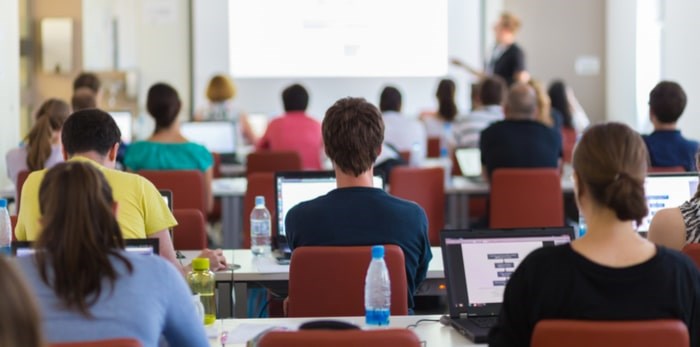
(8, 191)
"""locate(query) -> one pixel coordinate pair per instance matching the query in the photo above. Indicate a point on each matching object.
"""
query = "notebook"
(138, 246)
(667, 190)
(478, 265)
(469, 161)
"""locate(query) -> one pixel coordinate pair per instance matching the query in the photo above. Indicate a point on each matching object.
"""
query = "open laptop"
(124, 123)
(218, 137)
(137, 246)
(478, 265)
(469, 161)
(667, 190)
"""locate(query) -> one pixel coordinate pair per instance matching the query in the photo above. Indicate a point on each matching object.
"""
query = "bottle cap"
(377, 252)
(259, 200)
(3, 203)
(200, 264)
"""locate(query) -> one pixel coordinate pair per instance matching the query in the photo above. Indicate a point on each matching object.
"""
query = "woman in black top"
(611, 273)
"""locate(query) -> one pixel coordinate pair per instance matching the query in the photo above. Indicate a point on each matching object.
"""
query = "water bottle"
(377, 290)
(260, 228)
(582, 227)
(5, 229)
(202, 282)
(445, 153)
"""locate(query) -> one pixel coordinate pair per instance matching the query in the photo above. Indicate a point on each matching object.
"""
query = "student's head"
(295, 98)
(20, 323)
(390, 100)
(492, 91)
(506, 27)
(560, 102)
(447, 109)
(353, 132)
(87, 80)
(220, 88)
(610, 165)
(521, 103)
(163, 104)
(79, 234)
(83, 98)
(45, 132)
(544, 105)
(90, 130)
(667, 101)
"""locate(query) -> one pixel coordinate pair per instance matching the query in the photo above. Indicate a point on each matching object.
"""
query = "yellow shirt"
(141, 210)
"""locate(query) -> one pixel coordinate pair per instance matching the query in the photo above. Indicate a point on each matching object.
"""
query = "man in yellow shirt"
(92, 136)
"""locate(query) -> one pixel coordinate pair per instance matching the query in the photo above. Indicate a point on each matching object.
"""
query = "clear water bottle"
(582, 227)
(260, 227)
(203, 283)
(377, 290)
(5, 229)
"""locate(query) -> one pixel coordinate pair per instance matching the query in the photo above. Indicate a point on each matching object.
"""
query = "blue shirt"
(153, 300)
(669, 148)
(149, 155)
(361, 216)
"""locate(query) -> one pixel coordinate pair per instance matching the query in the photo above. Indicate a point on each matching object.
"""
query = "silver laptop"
(137, 246)
(469, 161)
(667, 190)
(124, 123)
(217, 137)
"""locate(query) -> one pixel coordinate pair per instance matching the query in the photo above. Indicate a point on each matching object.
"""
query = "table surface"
(433, 333)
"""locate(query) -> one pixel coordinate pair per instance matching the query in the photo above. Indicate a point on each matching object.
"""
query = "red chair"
(191, 230)
(692, 250)
(426, 187)
(571, 333)
(342, 338)
(433, 147)
(330, 281)
(273, 161)
(21, 178)
(13, 223)
(526, 198)
(405, 156)
(126, 342)
(568, 141)
(187, 187)
(668, 169)
(261, 183)
(215, 214)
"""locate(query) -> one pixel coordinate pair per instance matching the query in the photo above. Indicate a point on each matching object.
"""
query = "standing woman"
(220, 92)
(20, 323)
(446, 112)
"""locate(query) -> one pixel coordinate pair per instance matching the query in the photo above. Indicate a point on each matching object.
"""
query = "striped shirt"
(468, 131)
(691, 218)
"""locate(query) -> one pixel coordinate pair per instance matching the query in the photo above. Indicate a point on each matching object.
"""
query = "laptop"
(137, 246)
(217, 137)
(469, 161)
(292, 188)
(478, 265)
(667, 190)
(124, 123)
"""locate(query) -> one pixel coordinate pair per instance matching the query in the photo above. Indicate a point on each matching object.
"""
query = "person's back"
(467, 131)
(401, 132)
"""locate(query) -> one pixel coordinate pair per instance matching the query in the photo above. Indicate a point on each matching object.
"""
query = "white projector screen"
(338, 38)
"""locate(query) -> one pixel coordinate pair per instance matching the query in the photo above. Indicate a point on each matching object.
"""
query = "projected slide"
(343, 38)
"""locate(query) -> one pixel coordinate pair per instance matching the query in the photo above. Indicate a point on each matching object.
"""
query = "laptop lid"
(218, 137)
(479, 263)
(124, 123)
(469, 161)
(139, 246)
(167, 197)
(667, 190)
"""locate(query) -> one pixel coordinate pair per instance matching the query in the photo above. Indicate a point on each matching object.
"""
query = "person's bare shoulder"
(667, 228)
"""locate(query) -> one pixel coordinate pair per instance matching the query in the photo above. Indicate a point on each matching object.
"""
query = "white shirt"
(467, 132)
(403, 133)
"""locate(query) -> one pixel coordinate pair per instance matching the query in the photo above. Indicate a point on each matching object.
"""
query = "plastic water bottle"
(203, 282)
(5, 229)
(582, 227)
(377, 290)
(445, 153)
(260, 228)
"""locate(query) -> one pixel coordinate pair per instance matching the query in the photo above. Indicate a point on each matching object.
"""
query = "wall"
(9, 81)
(621, 59)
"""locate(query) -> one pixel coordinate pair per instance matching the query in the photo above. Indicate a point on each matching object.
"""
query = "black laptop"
(478, 265)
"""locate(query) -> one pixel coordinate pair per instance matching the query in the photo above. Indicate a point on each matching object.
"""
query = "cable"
(415, 325)
(262, 309)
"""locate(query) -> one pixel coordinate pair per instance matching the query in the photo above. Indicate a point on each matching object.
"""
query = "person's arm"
(247, 129)
(478, 73)
(513, 328)
(182, 326)
(578, 114)
(264, 142)
(426, 255)
(667, 228)
(166, 249)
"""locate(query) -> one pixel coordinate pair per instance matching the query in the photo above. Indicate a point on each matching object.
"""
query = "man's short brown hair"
(353, 132)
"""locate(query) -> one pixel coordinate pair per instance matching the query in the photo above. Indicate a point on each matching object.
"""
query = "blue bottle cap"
(377, 252)
(3, 203)
(259, 200)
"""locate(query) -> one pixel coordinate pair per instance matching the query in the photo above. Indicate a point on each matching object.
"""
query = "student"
(167, 149)
(611, 273)
(87, 80)
(492, 92)
(667, 147)
(220, 93)
(20, 322)
(356, 213)
(400, 132)
(546, 115)
(564, 101)
(82, 99)
(90, 288)
(447, 110)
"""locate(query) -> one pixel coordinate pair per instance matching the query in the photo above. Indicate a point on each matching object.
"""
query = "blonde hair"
(50, 117)
(544, 104)
(510, 22)
(220, 88)
(20, 323)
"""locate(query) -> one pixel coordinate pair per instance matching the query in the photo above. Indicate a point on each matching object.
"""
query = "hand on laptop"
(217, 261)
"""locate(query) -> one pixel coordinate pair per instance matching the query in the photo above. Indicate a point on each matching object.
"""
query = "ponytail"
(49, 118)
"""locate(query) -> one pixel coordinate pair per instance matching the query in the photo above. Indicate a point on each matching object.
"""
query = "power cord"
(415, 325)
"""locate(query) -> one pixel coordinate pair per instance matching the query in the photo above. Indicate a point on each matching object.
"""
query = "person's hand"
(217, 261)
(456, 61)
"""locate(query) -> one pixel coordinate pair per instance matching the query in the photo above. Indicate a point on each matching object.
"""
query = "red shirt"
(295, 131)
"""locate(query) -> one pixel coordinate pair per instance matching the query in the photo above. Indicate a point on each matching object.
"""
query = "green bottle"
(203, 282)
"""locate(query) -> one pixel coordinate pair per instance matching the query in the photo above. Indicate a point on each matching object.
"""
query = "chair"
(260, 183)
(692, 250)
(330, 281)
(571, 333)
(273, 161)
(215, 213)
(426, 187)
(13, 224)
(21, 178)
(191, 230)
(526, 198)
(340, 338)
(668, 169)
(187, 187)
(433, 147)
(405, 156)
(568, 141)
(126, 342)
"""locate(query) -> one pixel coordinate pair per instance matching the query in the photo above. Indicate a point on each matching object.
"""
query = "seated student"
(20, 322)
(92, 136)
(675, 227)
(167, 149)
(295, 130)
(89, 81)
(88, 286)
(356, 213)
(220, 93)
(492, 92)
(42, 146)
(435, 122)
(564, 100)
(82, 99)
(667, 147)
(546, 114)
(400, 132)
(520, 141)
(611, 273)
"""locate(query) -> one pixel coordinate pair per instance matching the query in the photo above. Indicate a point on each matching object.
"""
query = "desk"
(8, 191)
(433, 333)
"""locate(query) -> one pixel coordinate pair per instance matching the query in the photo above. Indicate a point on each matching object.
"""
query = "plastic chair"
(668, 169)
(433, 147)
(261, 183)
(330, 281)
(21, 178)
(191, 230)
(692, 250)
(13, 224)
(405, 156)
(568, 141)
(273, 161)
(526, 198)
(572, 333)
(215, 214)
(340, 338)
(126, 342)
(187, 187)
(426, 187)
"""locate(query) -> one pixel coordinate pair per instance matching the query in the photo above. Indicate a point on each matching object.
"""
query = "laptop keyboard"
(485, 322)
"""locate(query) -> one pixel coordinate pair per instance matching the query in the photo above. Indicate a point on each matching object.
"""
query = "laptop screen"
(469, 161)
(138, 246)
(478, 264)
(124, 123)
(218, 137)
(667, 190)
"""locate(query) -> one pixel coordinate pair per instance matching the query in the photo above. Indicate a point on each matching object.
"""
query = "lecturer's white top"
(403, 132)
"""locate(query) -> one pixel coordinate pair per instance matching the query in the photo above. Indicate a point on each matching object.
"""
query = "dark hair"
(163, 104)
(667, 101)
(492, 91)
(50, 117)
(295, 98)
(89, 130)
(560, 102)
(79, 236)
(610, 162)
(20, 323)
(390, 99)
(87, 80)
(447, 109)
(83, 98)
(353, 132)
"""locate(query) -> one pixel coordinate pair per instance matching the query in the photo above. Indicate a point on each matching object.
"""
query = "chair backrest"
(568, 141)
(335, 277)
(571, 333)
(13, 224)
(340, 338)
(191, 230)
(216, 169)
(526, 198)
(21, 178)
(692, 250)
(405, 156)
(125, 342)
(433, 147)
(187, 187)
(260, 183)
(273, 161)
(426, 187)
(669, 169)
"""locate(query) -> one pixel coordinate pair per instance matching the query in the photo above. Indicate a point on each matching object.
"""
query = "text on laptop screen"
(218, 137)
(664, 191)
(124, 123)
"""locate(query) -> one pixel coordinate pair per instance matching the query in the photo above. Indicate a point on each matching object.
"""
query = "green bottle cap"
(200, 264)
